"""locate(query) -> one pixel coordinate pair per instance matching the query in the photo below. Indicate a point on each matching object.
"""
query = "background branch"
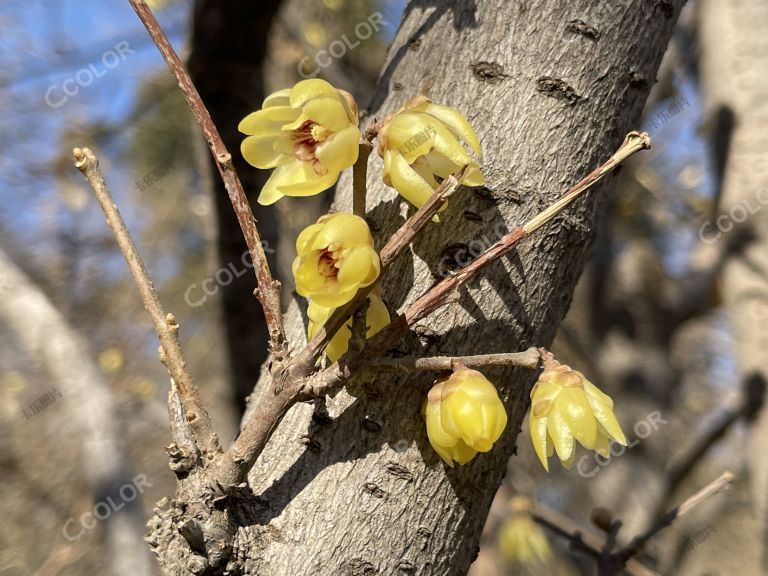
(165, 326)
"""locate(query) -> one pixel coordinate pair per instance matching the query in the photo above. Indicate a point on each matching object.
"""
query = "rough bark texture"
(735, 88)
(229, 43)
(351, 486)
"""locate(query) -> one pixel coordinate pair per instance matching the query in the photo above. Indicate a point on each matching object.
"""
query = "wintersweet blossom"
(377, 318)
(521, 539)
(464, 416)
(308, 134)
(565, 406)
(335, 258)
(420, 144)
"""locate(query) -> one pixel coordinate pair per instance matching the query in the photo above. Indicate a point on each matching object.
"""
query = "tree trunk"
(229, 45)
(89, 404)
(353, 487)
(735, 87)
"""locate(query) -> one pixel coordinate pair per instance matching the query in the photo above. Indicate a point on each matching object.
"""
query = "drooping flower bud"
(464, 416)
(377, 317)
(521, 539)
(335, 258)
(420, 142)
(565, 406)
(307, 133)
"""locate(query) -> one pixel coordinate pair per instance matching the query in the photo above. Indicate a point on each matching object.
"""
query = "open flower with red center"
(377, 317)
(420, 144)
(335, 257)
(307, 133)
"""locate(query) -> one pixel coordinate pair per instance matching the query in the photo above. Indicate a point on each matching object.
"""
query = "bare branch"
(527, 359)
(166, 327)
(586, 540)
(714, 487)
(268, 288)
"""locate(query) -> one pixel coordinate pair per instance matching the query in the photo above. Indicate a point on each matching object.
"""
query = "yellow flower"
(376, 318)
(335, 258)
(464, 416)
(565, 406)
(521, 539)
(420, 142)
(307, 133)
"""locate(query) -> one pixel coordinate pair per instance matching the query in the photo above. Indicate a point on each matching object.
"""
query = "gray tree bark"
(351, 486)
(735, 89)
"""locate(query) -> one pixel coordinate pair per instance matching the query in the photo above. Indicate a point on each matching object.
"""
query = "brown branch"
(709, 436)
(587, 540)
(359, 179)
(165, 325)
(436, 296)
(527, 359)
(439, 294)
(268, 288)
(714, 487)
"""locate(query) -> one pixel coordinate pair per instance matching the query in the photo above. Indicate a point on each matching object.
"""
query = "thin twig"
(709, 436)
(268, 288)
(585, 539)
(166, 327)
(717, 485)
(527, 359)
(359, 179)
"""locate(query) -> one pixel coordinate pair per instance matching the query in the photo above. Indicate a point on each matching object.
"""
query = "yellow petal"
(440, 165)
(319, 314)
(307, 276)
(328, 112)
(538, 428)
(561, 434)
(306, 237)
(462, 453)
(447, 145)
(604, 414)
(344, 229)
(407, 182)
(378, 315)
(435, 430)
(269, 193)
(473, 176)
(306, 90)
(351, 106)
(356, 266)
(578, 413)
(267, 121)
(602, 445)
(300, 179)
(457, 123)
(341, 149)
(263, 151)
(279, 98)
(411, 135)
(333, 298)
